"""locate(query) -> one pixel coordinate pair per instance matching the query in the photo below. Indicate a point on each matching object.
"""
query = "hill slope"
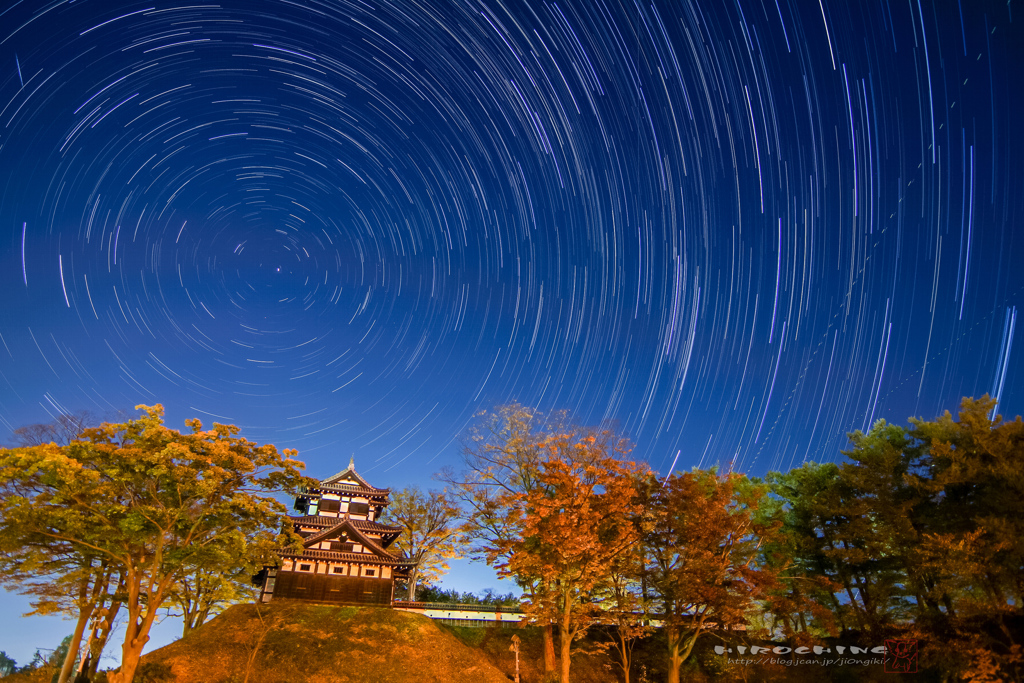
(294, 643)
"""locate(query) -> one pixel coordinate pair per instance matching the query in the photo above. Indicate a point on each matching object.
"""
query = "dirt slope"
(294, 643)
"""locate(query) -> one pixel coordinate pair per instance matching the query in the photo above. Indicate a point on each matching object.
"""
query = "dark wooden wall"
(326, 588)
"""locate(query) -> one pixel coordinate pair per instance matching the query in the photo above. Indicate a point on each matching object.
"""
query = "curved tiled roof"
(361, 524)
(367, 525)
(352, 488)
(363, 558)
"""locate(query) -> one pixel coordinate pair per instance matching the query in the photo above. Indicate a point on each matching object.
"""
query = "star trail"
(739, 229)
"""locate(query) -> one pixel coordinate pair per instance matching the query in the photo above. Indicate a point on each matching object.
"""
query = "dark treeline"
(916, 534)
(453, 597)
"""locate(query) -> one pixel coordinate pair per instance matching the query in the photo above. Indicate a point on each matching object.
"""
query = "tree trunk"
(194, 617)
(131, 653)
(688, 647)
(99, 640)
(549, 649)
(86, 662)
(140, 620)
(413, 576)
(624, 647)
(87, 604)
(76, 640)
(674, 660)
(186, 624)
(565, 647)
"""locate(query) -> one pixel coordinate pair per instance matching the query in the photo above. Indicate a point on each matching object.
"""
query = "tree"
(805, 606)
(428, 593)
(61, 576)
(702, 555)
(968, 475)
(46, 663)
(150, 501)
(501, 464)
(533, 489)
(573, 525)
(972, 476)
(431, 533)
(222, 576)
(836, 541)
(7, 665)
(917, 534)
(623, 603)
(218, 575)
(77, 587)
(64, 429)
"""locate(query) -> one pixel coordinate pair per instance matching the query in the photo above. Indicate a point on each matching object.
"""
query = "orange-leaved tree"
(501, 464)
(573, 525)
(702, 556)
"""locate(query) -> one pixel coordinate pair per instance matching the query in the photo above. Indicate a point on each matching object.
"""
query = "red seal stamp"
(901, 656)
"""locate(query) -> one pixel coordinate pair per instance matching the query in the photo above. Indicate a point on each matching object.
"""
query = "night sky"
(738, 229)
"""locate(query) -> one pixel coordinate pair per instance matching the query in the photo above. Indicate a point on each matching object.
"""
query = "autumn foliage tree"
(217, 577)
(535, 495)
(501, 465)
(150, 502)
(702, 557)
(60, 576)
(573, 526)
(431, 532)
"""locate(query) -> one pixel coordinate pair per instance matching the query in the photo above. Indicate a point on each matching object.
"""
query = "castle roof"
(349, 481)
(356, 531)
(362, 524)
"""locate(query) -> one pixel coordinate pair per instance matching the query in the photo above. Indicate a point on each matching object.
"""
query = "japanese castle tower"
(344, 557)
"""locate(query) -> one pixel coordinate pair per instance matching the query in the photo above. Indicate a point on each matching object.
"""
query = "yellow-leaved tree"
(431, 532)
(148, 503)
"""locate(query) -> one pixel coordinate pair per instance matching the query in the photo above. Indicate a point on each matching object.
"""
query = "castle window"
(358, 508)
(305, 567)
(338, 570)
(370, 572)
(327, 505)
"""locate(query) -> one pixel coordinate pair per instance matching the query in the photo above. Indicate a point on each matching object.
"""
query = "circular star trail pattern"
(739, 230)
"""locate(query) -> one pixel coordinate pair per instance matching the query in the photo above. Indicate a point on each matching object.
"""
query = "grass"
(296, 642)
